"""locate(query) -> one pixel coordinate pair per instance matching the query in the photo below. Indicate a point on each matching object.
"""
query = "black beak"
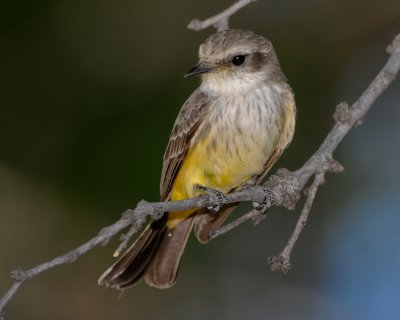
(202, 67)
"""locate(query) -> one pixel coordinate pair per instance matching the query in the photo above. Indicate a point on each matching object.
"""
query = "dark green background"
(89, 91)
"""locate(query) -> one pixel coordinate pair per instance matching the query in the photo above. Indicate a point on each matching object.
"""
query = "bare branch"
(347, 117)
(282, 260)
(136, 218)
(219, 21)
(254, 215)
(103, 237)
(285, 185)
(124, 241)
(322, 161)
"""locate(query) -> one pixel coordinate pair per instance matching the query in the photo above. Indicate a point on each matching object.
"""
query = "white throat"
(228, 83)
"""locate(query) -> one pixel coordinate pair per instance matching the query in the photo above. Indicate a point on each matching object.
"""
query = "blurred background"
(89, 91)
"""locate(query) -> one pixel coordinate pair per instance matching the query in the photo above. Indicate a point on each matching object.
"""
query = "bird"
(227, 135)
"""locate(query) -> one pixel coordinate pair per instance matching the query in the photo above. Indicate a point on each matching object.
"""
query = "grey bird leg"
(267, 202)
(221, 198)
(268, 199)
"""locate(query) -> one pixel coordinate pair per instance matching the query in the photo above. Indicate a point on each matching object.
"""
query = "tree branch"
(281, 261)
(219, 21)
(134, 218)
(284, 185)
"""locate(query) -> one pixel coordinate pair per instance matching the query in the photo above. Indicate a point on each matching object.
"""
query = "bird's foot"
(267, 202)
(218, 195)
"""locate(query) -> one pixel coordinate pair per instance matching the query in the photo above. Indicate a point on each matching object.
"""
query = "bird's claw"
(221, 199)
(267, 202)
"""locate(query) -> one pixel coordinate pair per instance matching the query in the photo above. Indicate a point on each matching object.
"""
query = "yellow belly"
(217, 164)
(240, 138)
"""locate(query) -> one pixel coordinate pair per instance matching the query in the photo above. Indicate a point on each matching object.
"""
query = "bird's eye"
(238, 60)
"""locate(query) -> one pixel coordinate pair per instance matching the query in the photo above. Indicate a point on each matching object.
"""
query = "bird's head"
(233, 60)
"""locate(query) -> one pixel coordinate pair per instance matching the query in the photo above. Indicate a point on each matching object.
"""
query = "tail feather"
(164, 267)
(155, 255)
(129, 269)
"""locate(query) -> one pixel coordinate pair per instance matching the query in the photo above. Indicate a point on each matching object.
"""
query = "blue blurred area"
(362, 233)
(361, 255)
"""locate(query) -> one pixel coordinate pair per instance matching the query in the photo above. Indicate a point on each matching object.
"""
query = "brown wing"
(189, 119)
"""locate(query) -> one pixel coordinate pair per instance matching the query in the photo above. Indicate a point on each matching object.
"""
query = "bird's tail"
(155, 256)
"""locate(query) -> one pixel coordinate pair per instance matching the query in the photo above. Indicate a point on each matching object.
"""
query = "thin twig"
(20, 276)
(347, 117)
(8, 295)
(251, 215)
(256, 215)
(219, 21)
(281, 261)
(125, 240)
(136, 218)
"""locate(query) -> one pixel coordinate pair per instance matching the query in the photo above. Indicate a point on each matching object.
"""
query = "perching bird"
(229, 133)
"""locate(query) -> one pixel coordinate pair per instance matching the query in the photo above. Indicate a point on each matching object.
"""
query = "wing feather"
(189, 119)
